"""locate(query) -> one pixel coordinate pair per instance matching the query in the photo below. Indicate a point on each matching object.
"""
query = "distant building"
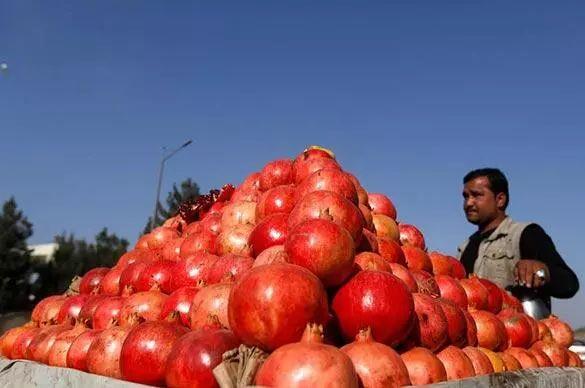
(44, 252)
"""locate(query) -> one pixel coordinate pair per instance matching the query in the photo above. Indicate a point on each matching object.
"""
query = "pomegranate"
(276, 173)
(103, 355)
(442, 265)
(385, 227)
(77, 354)
(491, 332)
(193, 270)
(574, 360)
(367, 216)
(544, 333)
(85, 316)
(430, 329)
(9, 338)
(274, 254)
(210, 305)
(202, 242)
(329, 206)
(495, 299)
(280, 199)
(481, 363)
(70, 309)
(212, 223)
(91, 280)
(172, 249)
(142, 242)
(361, 192)
(328, 179)
(238, 213)
(130, 276)
(471, 329)
(146, 350)
(381, 204)
(308, 363)
(557, 353)
(235, 240)
(561, 331)
(376, 364)
(524, 357)
(272, 230)
(416, 258)
(456, 363)
(450, 289)
(194, 355)
(411, 235)
(22, 342)
(110, 284)
(134, 256)
(541, 357)
(510, 301)
(426, 283)
(458, 268)
(369, 242)
(160, 236)
(176, 223)
(46, 311)
(142, 306)
(178, 305)
(270, 305)
(534, 326)
(63, 341)
(477, 294)
(229, 268)
(372, 261)
(324, 248)
(107, 312)
(456, 322)
(39, 347)
(507, 361)
(403, 274)
(194, 228)
(423, 367)
(156, 276)
(518, 328)
(391, 251)
(303, 168)
(376, 299)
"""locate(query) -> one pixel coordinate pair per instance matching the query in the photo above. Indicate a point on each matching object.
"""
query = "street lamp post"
(165, 157)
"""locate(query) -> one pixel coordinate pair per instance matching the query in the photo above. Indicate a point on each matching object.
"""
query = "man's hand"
(525, 273)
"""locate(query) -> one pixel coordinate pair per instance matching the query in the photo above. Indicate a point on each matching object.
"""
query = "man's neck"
(493, 224)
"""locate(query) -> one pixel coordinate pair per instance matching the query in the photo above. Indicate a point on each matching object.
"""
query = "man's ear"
(501, 200)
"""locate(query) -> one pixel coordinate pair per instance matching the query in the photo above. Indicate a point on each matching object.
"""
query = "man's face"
(479, 202)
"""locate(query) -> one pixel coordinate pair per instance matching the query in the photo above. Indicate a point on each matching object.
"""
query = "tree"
(15, 258)
(189, 190)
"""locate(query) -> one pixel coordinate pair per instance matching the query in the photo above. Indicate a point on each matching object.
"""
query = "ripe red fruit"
(10, 336)
(229, 268)
(210, 307)
(381, 204)
(201, 242)
(391, 251)
(85, 317)
(172, 249)
(376, 299)
(477, 294)
(211, 222)
(456, 322)
(372, 261)
(542, 359)
(544, 333)
(276, 173)
(481, 363)
(311, 161)
(561, 331)
(103, 355)
(404, 274)
(107, 313)
(91, 280)
(156, 276)
(471, 329)
(518, 328)
(274, 254)
(451, 290)
(411, 235)
(495, 299)
(70, 309)
(131, 275)
(63, 341)
(134, 256)
(524, 357)
(22, 342)
(142, 306)
(47, 310)
(235, 240)
(270, 305)
(280, 199)
(416, 258)
(510, 301)
(77, 354)
(324, 248)
(195, 355)
(110, 284)
(272, 230)
(558, 354)
(193, 270)
(426, 283)
(160, 236)
(328, 179)
(491, 332)
(456, 363)
(146, 350)
(178, 305)
(385, 227)
(238, 213)
(423, 366)
(430, 329)
(40, 345)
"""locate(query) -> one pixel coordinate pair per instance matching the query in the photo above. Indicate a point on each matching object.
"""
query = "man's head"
(485, 195)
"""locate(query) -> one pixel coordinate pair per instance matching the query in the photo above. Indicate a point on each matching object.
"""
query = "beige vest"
(499, 253)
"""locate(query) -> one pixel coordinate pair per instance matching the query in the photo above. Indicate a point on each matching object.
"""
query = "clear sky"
(410, 95)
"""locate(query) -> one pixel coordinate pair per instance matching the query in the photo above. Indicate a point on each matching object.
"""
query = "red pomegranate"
(328, 179)
(274, 254)
(10, 336)
(91, 280)
(456, 322)
(376, 364)
(70, 309)
(391, 251)
(194, 228)
(477, 294)
(329, 206)
(372, 261)
(505, 361)
(85, 316)
(367, 216)
(276, 173)
(423, 366)
(471, 329)
(142, 242)
(456, 363)
(58, 351)
(450, 289)
(46, 311)
(304, 166)
(510, 301)
(416, 258)
(22, 342)
(172, 249)
(376, 299)
(442, 265)
(324, 248)
(195, 355)
(404, 274)
(134, 256)
(481, 363)
(385, 227)
(238, 213)
(210, 306)
(110, 284)
(361, 192)
(369, 242)
(272, 230)
(193, 270)
(160, 236)
(561, 331)
(308, 363)
(235, 240)
(146, 350)
(431, 328)
(107, 312)
(280, 199)
(381, 204)
(212, 223)
(518, 328)
(411, 235)
(491, 332)
(156, 276)
(524, 357)
(426, 283)
(229, 268)
(557, 353)
(202, 242)
(77, 353)
(130, 277)
(178, 305)
(176, 223)
(270, 305)
(458, 268)
(495, 299)
(534, 326)
(103, 355)
(142, 306)
(40, 345)
(574, 360)
(544, 333)
(542, 359)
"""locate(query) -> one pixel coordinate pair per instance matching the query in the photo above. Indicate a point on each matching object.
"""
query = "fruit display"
(302, 262)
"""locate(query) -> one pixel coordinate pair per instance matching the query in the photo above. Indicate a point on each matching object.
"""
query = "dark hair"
(497, 179)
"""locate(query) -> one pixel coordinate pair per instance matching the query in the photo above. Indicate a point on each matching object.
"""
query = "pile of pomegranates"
(302, 262)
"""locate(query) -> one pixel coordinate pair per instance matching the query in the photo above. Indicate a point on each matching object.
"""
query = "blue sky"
(410, 96)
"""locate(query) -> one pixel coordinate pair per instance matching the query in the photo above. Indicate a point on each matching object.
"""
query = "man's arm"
(535, 244)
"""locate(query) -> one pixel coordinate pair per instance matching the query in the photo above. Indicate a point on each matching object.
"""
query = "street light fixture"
(165, 157)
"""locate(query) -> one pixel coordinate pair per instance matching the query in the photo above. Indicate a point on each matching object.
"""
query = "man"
(507, 252)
